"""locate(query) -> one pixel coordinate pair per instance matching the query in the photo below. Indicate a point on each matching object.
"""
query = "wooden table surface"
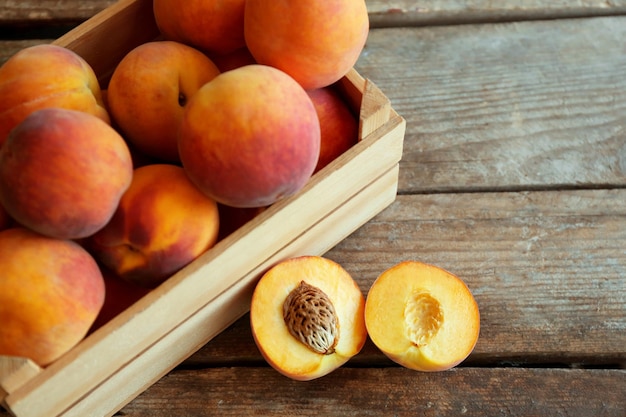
(513, 177)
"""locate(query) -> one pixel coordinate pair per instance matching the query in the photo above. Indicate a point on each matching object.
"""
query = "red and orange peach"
(44, 76)
(162, 223)
(51, 291)
(63, 172)
(250, 137)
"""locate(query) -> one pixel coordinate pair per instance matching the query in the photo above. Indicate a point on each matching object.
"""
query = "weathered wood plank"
(382, 12)
(49, 11)
(9, 48)
(389, 392)
(385, 13)
(529, 105)
(548, 270)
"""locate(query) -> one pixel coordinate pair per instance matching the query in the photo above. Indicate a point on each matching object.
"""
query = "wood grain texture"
(513, 177)
(9, 48)
(386, 392)
(546, 268)
(530, 105)
(382, 12)
(385, 13)
(49, 11)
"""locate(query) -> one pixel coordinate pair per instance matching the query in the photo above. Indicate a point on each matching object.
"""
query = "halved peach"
(307, 317)
(422, 317)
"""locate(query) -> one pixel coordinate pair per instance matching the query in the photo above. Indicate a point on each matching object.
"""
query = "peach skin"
(43, 76)
(62, 173)
(51, 291)
(148, 92)
(162, 223)
(250, 137)
(315, 41)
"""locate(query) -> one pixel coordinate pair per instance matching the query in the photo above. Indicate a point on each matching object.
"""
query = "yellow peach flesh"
(443, 323)
(283, 351)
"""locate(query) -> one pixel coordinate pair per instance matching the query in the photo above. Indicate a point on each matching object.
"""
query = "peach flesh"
(422, 317)
(287, 354)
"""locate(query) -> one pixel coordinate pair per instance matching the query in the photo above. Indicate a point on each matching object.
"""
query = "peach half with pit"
(51, 291)
(44, 76)
(250, 137)
(422, 316)
(162, 223)
(307, 317)
(63, 172)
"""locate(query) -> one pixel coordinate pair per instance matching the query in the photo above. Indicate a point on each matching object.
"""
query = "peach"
(250, 137)
(339, 126)
(149, 90)
(43, 76)
(162, 223)
(316, 41)
(422, 317)
(210, 25)
(307, 317)
(62, 173)
(51, 291)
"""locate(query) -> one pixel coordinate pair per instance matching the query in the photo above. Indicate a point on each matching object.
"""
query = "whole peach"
(209, 25)
(62, 173)
(315, 41)
(43, 76)
(51, 291)
(250, 137)
(339, 126)
(162, 223)
(149, 90)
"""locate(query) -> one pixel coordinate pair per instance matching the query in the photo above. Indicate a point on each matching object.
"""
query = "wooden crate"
(121, 359)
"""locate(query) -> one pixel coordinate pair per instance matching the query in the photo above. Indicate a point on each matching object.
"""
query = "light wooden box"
(124, 357)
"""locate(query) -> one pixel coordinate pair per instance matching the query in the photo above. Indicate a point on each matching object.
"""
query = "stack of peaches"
(112, 189)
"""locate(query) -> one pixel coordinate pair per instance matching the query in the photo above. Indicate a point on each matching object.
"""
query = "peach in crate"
(159, 331)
